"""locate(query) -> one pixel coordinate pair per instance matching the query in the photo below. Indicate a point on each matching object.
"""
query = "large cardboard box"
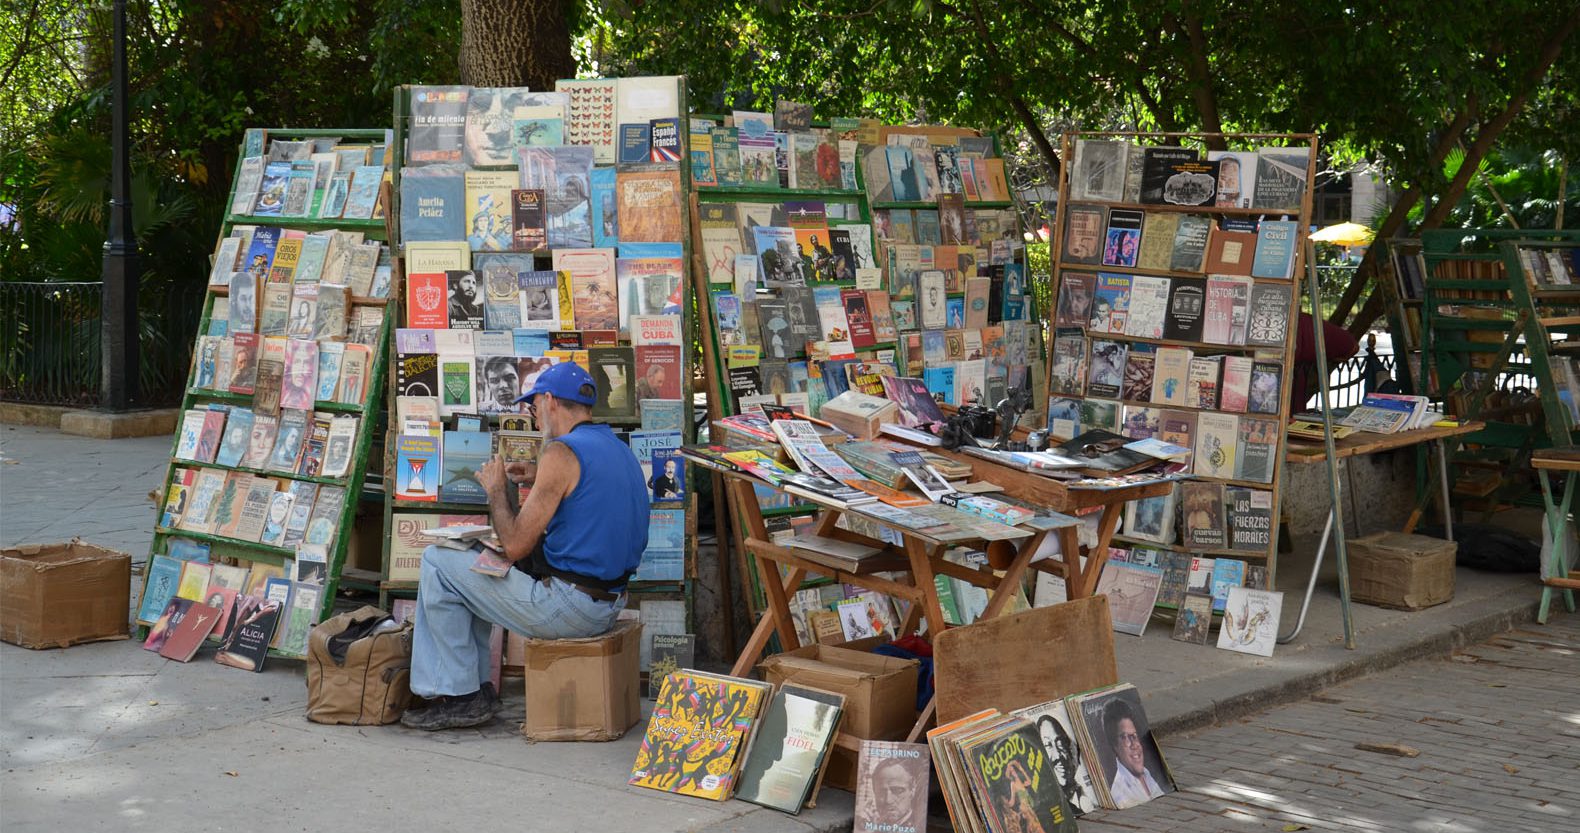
(58, 595)
(583, 689)
(1408, 572)
(880, 694)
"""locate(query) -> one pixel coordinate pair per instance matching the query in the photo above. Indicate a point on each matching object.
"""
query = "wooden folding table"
(921, 556)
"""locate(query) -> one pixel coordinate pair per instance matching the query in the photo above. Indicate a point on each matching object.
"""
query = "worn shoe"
(492, 696)
(458, 712)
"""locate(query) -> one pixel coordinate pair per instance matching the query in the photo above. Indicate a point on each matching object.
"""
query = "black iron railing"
(49, 342)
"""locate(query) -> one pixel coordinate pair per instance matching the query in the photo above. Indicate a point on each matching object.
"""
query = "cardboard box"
(59, 595)
(584, 689)
(1407, 572)
(880, 694)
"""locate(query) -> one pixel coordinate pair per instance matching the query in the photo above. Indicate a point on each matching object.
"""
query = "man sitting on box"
(575, 543)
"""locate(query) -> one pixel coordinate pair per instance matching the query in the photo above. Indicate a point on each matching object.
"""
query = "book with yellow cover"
(696, 737)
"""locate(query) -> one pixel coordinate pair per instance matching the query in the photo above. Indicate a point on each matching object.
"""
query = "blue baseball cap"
(567, 381)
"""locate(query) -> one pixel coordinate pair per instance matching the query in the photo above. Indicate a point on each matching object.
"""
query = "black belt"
(594, 593)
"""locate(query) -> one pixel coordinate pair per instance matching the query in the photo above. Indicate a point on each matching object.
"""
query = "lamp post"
(118, 314)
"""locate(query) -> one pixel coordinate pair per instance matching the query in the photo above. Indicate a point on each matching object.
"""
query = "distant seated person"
(1340, 347)
(575, 542)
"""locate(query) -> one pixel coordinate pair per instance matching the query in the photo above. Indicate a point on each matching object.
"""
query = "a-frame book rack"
(403, 517)
(354, 153)
(1100, 240)
(857, 210)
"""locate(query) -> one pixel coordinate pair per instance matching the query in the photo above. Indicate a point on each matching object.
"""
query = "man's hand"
(522, 473)
(492, 477)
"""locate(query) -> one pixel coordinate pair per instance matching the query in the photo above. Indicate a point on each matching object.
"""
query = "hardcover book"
(1084, 229)
(593, 287)
(649, 206)
(709, 715)
(1106, 375)
(1280, 179)
(1190, 243)
(1217, 437)
(786, 755)
(1250, 621)
(1268, 316)
(1158, 171)
(1149, 304)
(432, 205)
(1275, 249)
(438, 124)
(1110, 303)
(1235, 388)
(247, 641)
(1184, 320)
(1230, 252)
(417, 468)
(1258, 447)
(1202, 515)
(1075, 299)
(891, 786)
(1069, 361)
(1157, 240)
(564, 174)
(613, 373)
(1236, 177)
(1123, 240)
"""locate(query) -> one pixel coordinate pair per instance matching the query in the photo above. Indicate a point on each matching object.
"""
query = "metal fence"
(50, 342)
(1347, 387)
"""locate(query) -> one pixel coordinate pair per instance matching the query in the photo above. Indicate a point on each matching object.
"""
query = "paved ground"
(1497, 727)
(56, 487)
(108, 736)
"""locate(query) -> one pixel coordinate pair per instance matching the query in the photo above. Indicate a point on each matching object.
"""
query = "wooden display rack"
(367, 410)
(1303, 217)
(757, 592)
(652, 590)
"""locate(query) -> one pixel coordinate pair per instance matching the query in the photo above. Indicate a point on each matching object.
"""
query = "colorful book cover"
(1275, 249)
(564, 174)
(700, 724)
(593, 287)
(417, 467)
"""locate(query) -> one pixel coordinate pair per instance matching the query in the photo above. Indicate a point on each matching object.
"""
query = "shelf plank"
(246, 399)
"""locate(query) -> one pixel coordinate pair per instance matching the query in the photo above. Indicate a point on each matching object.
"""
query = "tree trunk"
(515, 43)
(1199, 76)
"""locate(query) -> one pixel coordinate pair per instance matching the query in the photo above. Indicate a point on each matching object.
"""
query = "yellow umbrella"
(1345, 234)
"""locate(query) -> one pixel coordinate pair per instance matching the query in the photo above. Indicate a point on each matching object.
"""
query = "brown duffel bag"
(358, 672)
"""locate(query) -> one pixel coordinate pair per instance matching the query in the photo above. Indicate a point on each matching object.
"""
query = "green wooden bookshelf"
(369, 409)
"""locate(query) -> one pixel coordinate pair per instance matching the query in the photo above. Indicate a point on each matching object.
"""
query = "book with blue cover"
(665, 556)
(164, 573)
(635, 143)
(271, 194)
(1227, 573)
(941, 382)
(1275, 249)
(417, 467)
(433, 204)
(605, 209)
(465, 453)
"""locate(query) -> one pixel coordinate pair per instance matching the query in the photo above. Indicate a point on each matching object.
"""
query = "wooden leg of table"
(922, 720)
(826, 521)
(913, 620)
(1070, 551)
(768, 571)
(1099, 554)
(922, 572)
(771, 621)
(1012, 576)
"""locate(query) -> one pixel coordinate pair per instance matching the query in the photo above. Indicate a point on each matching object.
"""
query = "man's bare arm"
(558, 472)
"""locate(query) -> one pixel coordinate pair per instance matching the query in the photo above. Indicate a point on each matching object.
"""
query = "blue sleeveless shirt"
(600, 528)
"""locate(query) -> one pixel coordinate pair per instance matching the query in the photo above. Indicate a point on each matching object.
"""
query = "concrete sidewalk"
(108, 736)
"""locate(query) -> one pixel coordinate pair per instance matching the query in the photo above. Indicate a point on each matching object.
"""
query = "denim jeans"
(457, 609)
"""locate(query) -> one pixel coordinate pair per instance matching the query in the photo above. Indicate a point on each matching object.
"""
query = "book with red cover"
(426, 301)
(187, 636)
(657, 371)
(859, 317)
